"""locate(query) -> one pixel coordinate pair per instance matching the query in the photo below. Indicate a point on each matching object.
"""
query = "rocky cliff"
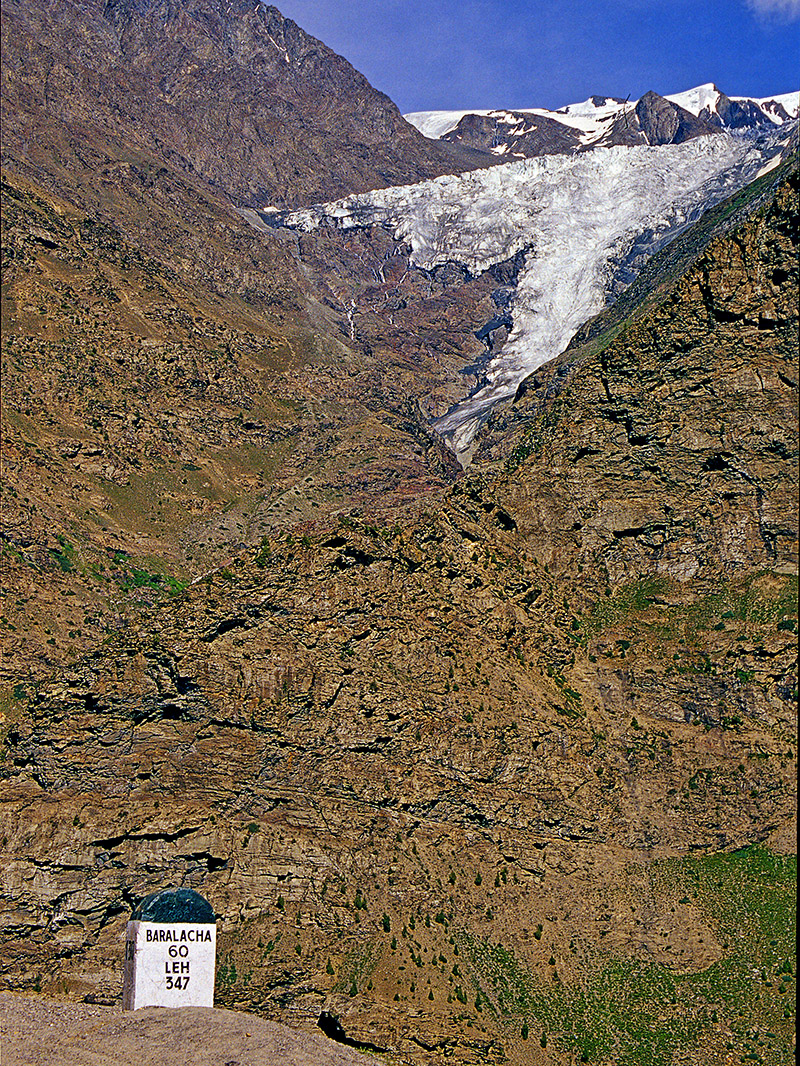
(239, 98)
(460, 779)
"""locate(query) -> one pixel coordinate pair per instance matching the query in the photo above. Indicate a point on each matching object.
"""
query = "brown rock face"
(532, 136)
(663, 122)
(441, 778)
(234, 95)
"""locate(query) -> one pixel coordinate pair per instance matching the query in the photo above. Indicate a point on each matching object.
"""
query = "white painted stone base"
(169, 965)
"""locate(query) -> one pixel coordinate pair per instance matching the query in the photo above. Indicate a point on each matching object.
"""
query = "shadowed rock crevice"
(331, 1026)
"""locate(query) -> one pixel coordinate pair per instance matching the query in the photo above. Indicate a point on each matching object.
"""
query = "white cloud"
(786, 10)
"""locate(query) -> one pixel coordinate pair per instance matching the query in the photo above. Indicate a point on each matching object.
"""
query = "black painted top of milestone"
(175, 905)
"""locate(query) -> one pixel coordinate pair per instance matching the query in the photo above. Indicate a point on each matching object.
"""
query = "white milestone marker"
(170, 952)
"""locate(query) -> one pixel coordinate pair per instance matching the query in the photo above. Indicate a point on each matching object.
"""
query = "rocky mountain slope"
(154, 424)
(443, 779)
(237, 96)
(168, 371)
(494, 766)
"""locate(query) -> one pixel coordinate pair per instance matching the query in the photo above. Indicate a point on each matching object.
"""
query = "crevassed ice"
(576, 215)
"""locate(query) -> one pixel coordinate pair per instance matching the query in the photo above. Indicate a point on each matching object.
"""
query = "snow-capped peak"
(596, 107)
(701, 98)
(772, 105)
(600, 120)
(435, 124)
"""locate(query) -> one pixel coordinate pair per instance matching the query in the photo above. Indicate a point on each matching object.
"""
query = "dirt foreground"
(45, 1032)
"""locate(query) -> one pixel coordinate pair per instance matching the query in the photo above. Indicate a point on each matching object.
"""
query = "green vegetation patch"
(131, 577)
(358, 967)
(762, 599)
(637, 1013)
(65, 556)
(502, 982)
(631, 599)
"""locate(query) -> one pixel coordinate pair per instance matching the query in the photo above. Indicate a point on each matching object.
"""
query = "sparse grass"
(66, 556)
(630, 599)
(358, 967)
(763, 599)
(543, 424)
(636, 1013)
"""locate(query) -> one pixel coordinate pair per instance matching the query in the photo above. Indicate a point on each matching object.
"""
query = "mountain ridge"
(245, 67)
(602, 121)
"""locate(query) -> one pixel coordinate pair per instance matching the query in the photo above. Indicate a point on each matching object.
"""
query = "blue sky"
(447, 54)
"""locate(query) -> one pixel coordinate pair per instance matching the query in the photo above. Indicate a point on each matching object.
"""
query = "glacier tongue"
(576, 214)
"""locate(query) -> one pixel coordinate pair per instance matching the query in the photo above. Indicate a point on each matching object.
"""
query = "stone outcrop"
(237, 97)
(432, 773)
(663, 122)
(514, 132)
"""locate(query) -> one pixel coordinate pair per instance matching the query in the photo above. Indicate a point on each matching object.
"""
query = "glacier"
(577, 218)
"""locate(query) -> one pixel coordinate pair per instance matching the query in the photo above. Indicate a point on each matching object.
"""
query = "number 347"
(177, 982)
